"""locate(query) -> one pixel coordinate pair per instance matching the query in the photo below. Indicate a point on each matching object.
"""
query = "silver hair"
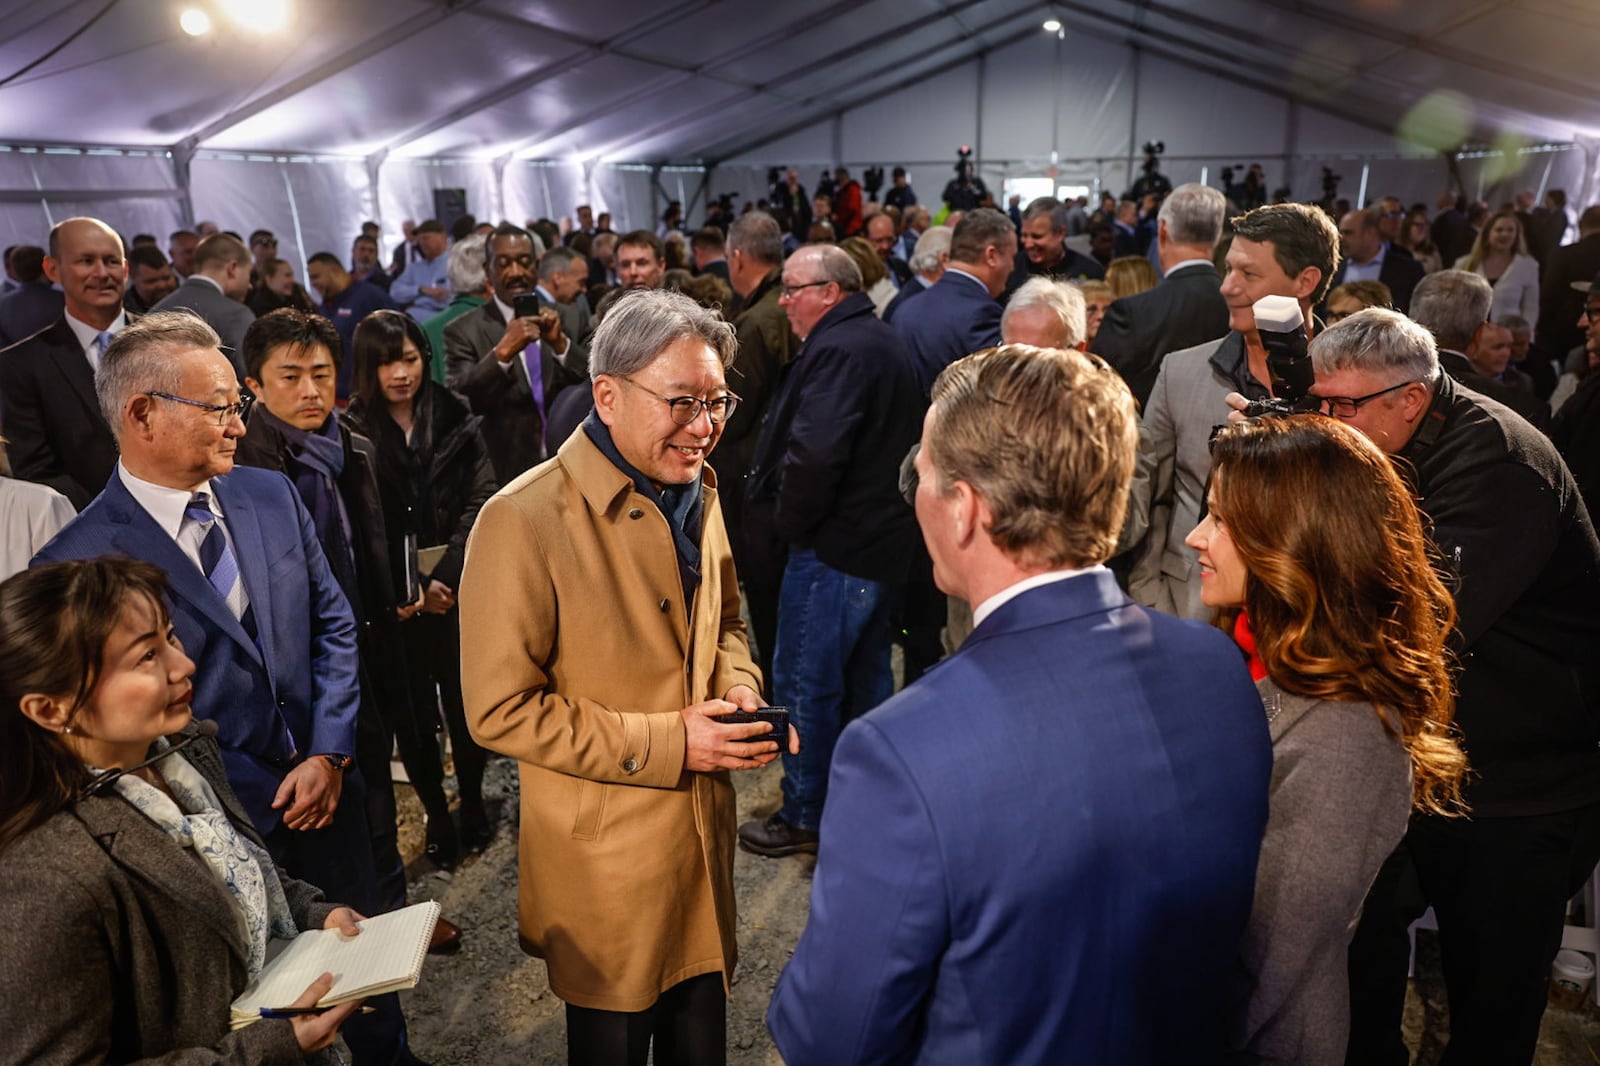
(934, 242)
(139, 360)
(834, 264)
(1515, 323)
(465, 268)
(1380, 341)
(1062, 298)
(556, 261)
(644, 322)
(1452, 304)
(758, 237)
(1193, 214)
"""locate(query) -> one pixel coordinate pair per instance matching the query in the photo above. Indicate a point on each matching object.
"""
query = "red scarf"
(1247, 643)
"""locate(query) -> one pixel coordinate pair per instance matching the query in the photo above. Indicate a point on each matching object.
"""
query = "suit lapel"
(137, 535)
(142, 848)
(72, 363)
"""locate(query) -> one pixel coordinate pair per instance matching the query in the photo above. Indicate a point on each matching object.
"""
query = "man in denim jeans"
(824, 485)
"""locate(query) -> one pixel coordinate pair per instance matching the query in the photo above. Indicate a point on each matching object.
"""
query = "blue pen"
(296, 1012)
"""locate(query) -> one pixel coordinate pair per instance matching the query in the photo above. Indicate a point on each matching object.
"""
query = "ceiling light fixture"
(194, 22)
(1052, 25)
(258, 16)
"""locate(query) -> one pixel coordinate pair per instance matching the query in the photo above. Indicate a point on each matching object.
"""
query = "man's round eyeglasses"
(788, 291)
(223, 411)
(1347, 406)
(686, 409)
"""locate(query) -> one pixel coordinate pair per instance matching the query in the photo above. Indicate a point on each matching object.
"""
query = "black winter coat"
(826, 470)
(435, 485)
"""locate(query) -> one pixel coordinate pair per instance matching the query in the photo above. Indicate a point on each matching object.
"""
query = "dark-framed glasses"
(223, 411)
(686, 409)
(788, 291)
(1347, 406)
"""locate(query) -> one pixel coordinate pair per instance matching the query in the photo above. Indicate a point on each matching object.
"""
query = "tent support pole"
(182, 156)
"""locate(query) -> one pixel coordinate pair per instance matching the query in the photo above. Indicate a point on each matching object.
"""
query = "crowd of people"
(640, 510)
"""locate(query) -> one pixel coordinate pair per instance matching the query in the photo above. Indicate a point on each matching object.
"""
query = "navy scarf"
(682, 506)
(318, 463)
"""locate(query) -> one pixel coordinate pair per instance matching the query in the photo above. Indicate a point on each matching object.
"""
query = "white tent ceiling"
(633, 80)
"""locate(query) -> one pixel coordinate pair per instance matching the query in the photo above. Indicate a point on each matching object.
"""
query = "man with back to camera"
(55, 432)
(32, 303)
(255, 604)
(1185, 308)
(1453, 305)
(614, 552)
(216, 292)
(946, 928)
(1525, 591)
(1277, 250)
(929, 258)
(959, 315)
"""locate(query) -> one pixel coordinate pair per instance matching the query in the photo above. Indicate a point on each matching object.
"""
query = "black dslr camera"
(1283, 334)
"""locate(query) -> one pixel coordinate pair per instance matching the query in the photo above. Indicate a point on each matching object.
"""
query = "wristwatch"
(339, 762)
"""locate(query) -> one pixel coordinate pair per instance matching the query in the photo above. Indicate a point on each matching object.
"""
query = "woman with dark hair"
(433, 476)
(1315, 536)
(136, 899)
(1416, 237)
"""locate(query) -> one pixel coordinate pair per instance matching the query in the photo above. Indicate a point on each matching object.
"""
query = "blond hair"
(1047, 437)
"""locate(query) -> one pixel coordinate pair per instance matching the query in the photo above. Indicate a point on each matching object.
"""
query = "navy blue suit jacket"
(294, 694)
(954, 319)
(1043, 851)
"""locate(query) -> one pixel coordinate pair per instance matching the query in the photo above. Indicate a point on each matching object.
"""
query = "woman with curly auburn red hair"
(1314, 535)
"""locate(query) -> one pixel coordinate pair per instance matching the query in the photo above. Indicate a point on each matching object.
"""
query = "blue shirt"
(407, 288)
(346, 311)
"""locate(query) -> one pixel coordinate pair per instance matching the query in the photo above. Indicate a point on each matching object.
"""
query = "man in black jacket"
(1186, 309)
(1527, 628)
(824, 485)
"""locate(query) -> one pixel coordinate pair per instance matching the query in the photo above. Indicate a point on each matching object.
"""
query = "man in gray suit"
(216, 292)
(1278, 250)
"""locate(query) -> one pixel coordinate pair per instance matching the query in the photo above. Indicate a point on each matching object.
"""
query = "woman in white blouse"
(1500, 254)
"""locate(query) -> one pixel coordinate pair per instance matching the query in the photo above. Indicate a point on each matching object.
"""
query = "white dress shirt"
(167, 505)
(1011, 592)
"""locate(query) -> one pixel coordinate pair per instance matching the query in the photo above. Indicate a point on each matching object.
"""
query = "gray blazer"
(229, 318)
(1175, 457)
(1340, 802)
(116, 944)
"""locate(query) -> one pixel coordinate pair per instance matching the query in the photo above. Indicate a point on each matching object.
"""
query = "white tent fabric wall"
(36, 188)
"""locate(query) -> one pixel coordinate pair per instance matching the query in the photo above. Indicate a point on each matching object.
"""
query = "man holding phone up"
(510, 358)
(601, 638)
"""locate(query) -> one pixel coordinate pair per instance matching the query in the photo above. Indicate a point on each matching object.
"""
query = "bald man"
(55, 433)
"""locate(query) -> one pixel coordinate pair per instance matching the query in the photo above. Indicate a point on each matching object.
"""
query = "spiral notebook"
(386, 957)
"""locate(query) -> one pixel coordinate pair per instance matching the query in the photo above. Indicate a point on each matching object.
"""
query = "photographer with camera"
(965, 191)
(1278, 250)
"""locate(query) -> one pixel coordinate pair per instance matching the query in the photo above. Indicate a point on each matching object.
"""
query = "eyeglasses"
(788, 291)
(223, 411)
(1347, 406)
(686, 409)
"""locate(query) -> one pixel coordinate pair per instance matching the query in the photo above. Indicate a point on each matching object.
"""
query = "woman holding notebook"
(136, 899)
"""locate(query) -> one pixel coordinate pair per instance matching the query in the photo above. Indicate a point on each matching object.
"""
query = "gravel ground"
(490, 1004)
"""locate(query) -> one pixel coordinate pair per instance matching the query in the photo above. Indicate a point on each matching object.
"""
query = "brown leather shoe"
(446, 938)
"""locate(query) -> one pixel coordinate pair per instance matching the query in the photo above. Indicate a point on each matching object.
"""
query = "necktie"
(216, 557)
(102, 341)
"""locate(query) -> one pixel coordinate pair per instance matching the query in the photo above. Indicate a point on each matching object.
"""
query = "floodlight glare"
(260, 16)
(1052, 25)
(194, 22)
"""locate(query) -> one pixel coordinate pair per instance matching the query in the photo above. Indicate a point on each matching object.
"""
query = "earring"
(67, 730)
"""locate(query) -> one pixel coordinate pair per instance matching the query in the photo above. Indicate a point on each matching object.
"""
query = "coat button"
(630, 766)
(636, 513)
(665, 605)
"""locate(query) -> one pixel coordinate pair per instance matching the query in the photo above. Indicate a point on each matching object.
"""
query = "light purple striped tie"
(216, 558)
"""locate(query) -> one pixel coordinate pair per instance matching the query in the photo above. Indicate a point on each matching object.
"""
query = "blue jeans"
(830, 667)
